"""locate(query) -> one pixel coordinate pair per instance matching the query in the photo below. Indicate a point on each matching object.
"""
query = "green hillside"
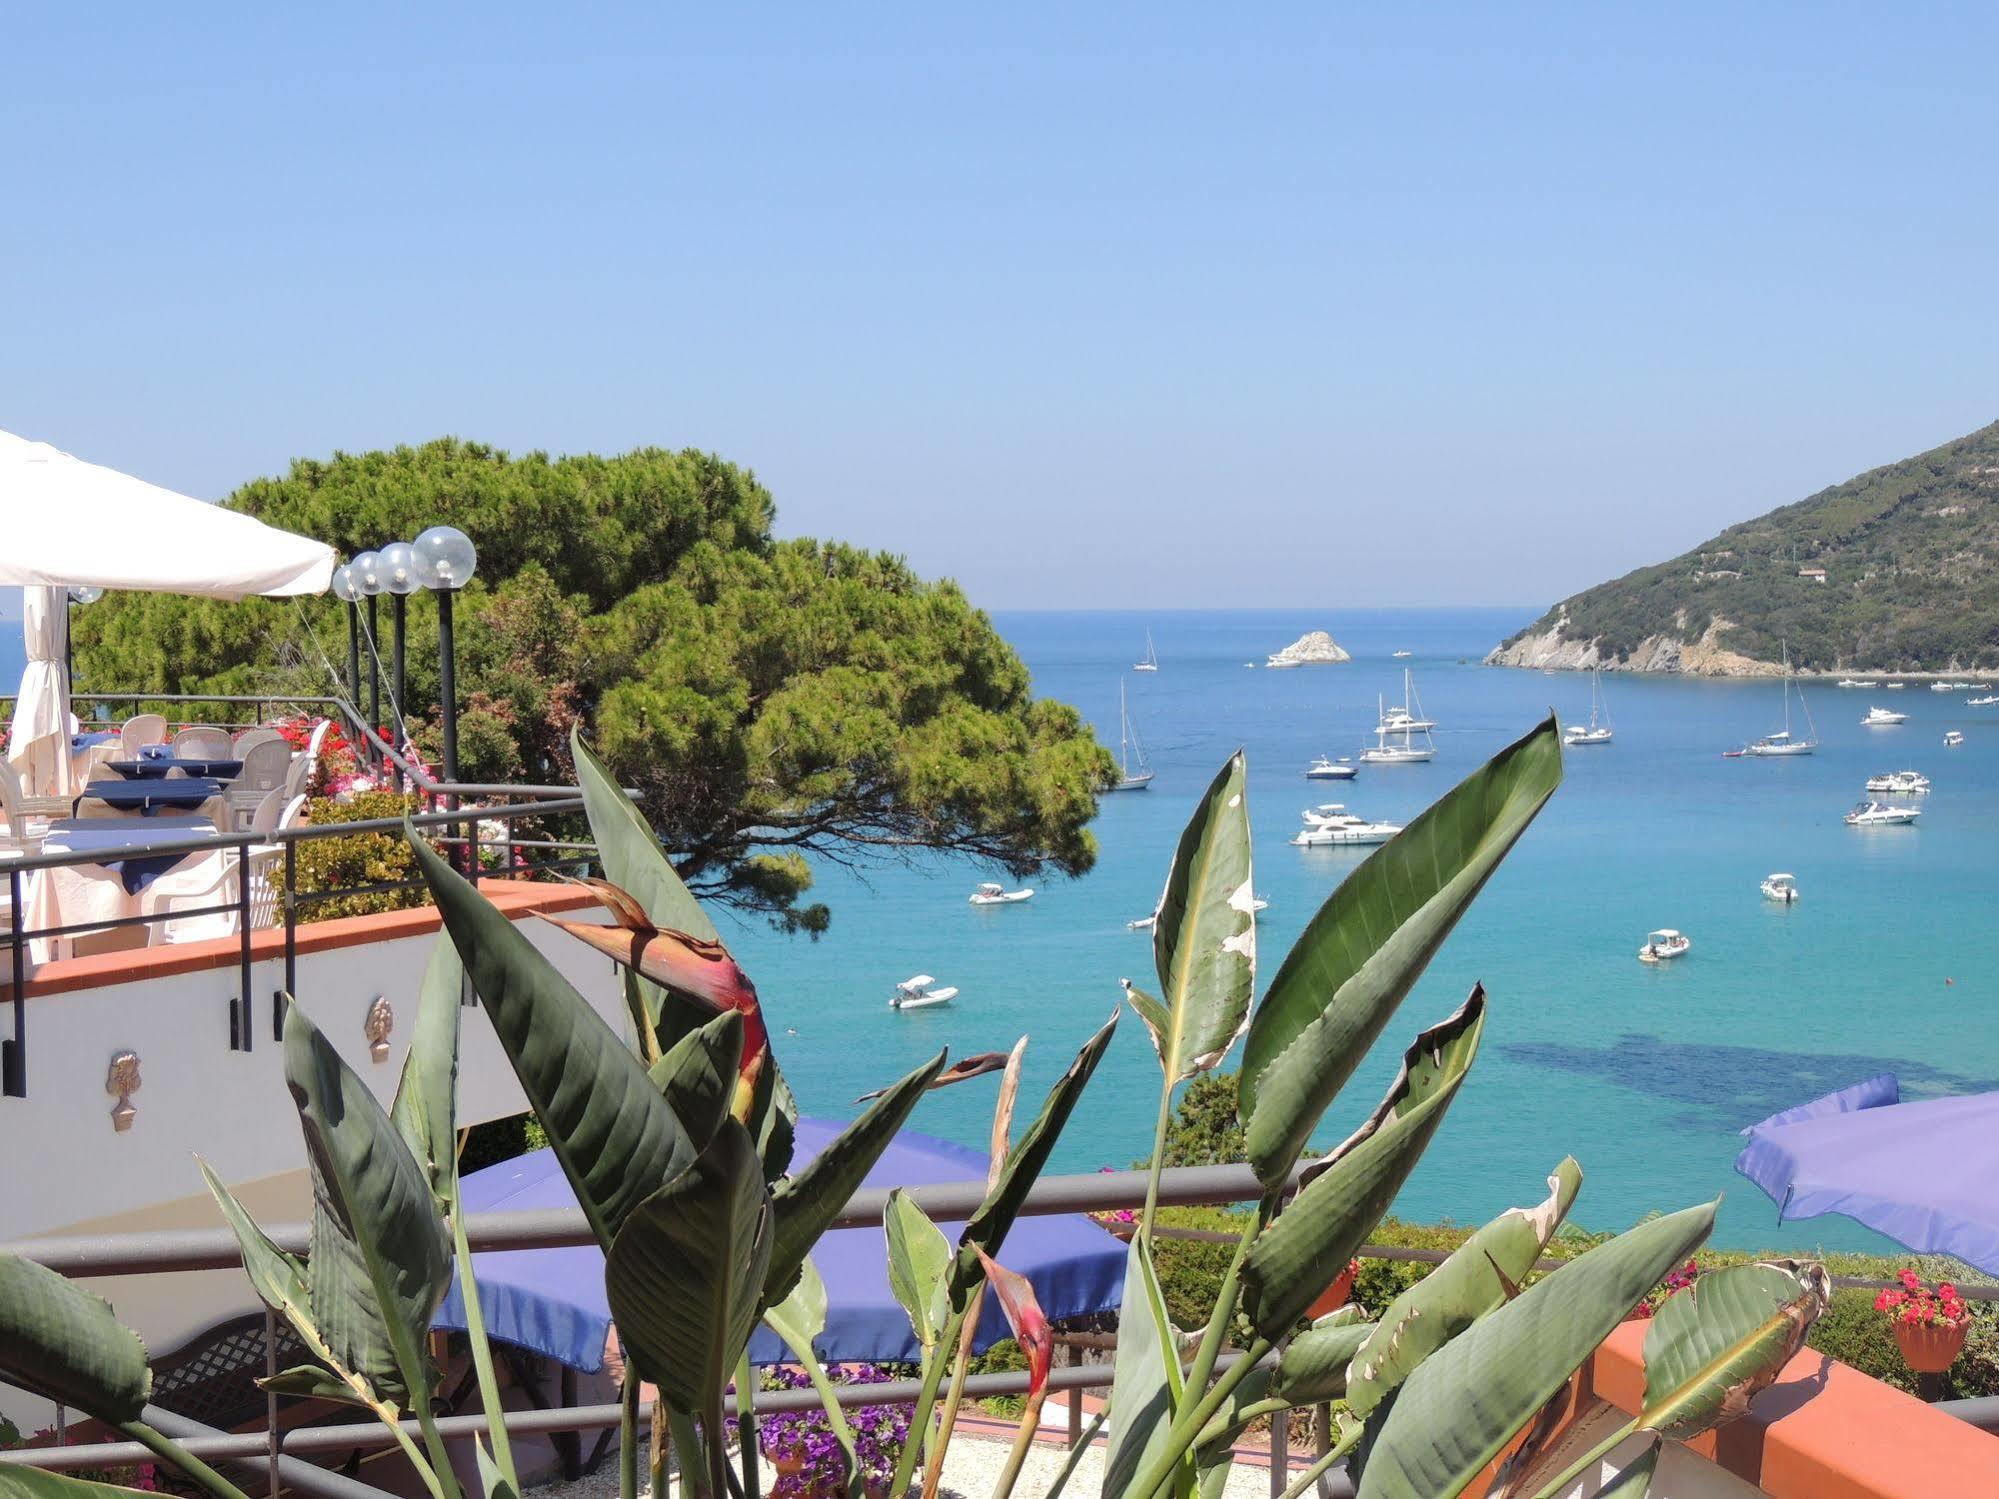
(1911, 557)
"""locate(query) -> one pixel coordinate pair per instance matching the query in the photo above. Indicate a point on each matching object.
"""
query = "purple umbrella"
(552, 1300)
(1925, 1174)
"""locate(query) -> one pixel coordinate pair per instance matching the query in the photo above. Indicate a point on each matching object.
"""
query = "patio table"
(113, 888)
(155, 768)
(88, 834)
(150, 798)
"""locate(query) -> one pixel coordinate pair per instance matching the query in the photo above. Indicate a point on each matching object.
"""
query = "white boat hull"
(923, 1001)
(1586, 736)
(1778, 751)
(1134, 783)
(1331, 772)
(1396, 756)
(1664, 951)
(1010, 898)
(1356, 837)
(1783, 894)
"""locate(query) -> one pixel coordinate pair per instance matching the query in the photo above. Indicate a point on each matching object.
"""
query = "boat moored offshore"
(1878, 814)
(992, 893)
(1879, 718)
(1782, 888)
(1663, 944)
(1900, 783)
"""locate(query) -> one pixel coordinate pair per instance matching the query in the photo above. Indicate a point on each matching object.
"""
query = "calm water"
(1643, 1073)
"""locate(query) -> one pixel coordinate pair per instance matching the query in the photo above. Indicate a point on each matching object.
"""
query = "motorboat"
(1878, 718)
(993, 894)
(1331, 825)
(1326, 769)
(1143, 924)
(915, 993)
(1850, 682)
(1900, 783)
(1783, 742)
(1952, 739)
(1281, 663)
(1407, 722)
(1663, 944)
(1893, 686)
(1782, 888)
(1982, 702)
(1873, 814)
(1597, 731)
(1953, 686)
(1402, 655)
(1128, 748)
(1150, 661)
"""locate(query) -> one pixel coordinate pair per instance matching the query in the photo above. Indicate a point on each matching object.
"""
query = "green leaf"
(380, 1259)
(426, 1108)
(496, 1484)
(774, 1119)
(311, 1382)
(987, 1228)
(804, 1204)
(798, 1319)
(683, 1274)
(1147, 1381)
(1479, 1275)
(631, 852)
(1358, 957)
(1313, 1366)
(1634, 1479)
(1465, 1401)
(1710, 1348)
(698, 1075)
(919, 1259)
(614, 1133)
(19, 1481)
(1345, 1194)
(1204, 940)
(1158, 1021)
(59, 1340)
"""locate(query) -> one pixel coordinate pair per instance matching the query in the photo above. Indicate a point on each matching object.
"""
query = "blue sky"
(1104, 306)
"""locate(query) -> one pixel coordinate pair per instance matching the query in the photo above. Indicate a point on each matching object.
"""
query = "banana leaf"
(698, 1075)
(1359, 955)
(1464, 1402)
(60, 1341)
(426, 1106)
(919, 1259)
(631, 852)
(798, 1319)
(1345, 1194)
(1634, 1479)
(804, 1204)
(1482, 1273)
(987, 1228)
(684, 1273)
(1147, 1381)
(1204, 938)
(616, 1137)
(380, 1258)
(280, 1280)
(1711, 1347)
(1313, 1366)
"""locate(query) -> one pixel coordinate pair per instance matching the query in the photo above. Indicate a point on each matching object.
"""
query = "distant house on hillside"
(1814, 574)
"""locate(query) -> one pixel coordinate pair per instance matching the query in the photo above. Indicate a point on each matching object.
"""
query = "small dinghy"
(1782, 888)
(1663, 944)
(1953, 739)
(991, 894)
(916, 994)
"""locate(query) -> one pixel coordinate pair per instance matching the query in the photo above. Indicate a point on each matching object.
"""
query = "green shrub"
(326, 864)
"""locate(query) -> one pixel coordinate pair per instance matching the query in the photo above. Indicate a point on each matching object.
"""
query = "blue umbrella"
(1925, 1174)
(552, 1300)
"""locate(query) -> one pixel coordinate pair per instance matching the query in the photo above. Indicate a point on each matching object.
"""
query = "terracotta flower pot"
(1929, 1349)
(1335, 1295)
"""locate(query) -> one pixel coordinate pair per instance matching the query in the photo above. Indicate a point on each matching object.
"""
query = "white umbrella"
(65, 522)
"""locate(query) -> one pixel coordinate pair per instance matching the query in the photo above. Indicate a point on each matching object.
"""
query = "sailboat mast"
(1123, 732)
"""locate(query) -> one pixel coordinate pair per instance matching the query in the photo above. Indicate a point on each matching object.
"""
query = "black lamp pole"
(399, 616)
(447, 682)
(374, 666)
(354, 655)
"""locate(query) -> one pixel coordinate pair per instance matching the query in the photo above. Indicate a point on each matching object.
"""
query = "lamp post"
(368, 577)
(398, 574)
(348, 592)
(445, 561)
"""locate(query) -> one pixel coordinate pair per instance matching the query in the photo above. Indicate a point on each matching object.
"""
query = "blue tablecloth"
(149, 798)
(91, 833)
(91, 741)
(155, 768)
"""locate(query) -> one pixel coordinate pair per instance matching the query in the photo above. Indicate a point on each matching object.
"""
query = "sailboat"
(1597, 732)
(1782, 742)
(1128, 745)
(1407, 722)
(1150, 662)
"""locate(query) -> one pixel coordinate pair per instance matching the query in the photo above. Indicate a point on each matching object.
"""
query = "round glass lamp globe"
(367, 568)
(344, 586)
(445, 558)
(85, 593)
(398, 568)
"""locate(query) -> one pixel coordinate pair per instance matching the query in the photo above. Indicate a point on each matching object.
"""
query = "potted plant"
(1930, 1325)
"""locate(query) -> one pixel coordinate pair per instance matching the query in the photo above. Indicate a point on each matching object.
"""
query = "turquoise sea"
(1643, 1073)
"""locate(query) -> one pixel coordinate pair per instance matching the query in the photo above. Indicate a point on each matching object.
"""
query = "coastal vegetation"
(676, 1141)
(775, 701)
(1894, 570)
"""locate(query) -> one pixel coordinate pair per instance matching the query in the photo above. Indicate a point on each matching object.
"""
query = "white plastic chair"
(223, 870)
(249, 737)
(266, 769)
(23, 812)
(202, 742)
(141, 730)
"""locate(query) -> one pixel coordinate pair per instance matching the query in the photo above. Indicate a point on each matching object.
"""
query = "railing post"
(291, 940)
(1075, 1397)
(14, 1051)
(244, 1031)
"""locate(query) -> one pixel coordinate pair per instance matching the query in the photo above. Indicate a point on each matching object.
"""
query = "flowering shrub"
(1113, 1218)
(1916, 1305)
(1675, 1282)
(806, 1437)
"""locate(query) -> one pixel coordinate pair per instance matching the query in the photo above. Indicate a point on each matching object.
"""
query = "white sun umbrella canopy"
(67, 523)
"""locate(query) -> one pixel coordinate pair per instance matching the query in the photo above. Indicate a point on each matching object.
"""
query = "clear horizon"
(1134, 305)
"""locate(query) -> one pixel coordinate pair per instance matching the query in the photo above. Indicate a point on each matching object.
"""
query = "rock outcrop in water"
(1314, 648)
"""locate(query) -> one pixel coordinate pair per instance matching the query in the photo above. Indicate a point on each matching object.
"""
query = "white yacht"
(1952, 686)
(1783, 742)
(993, 894)
(1982, 702)
(915, 993)
(1893, 686)
(1128, 748)
(1878, 718)
(1873, 814)
(1899, 783)
(1402, 655)
(1280, 663)
(1952, 739)
(1330, 824)
(1406, 722)
(1782, 888)
(1850, 682)
(1663, 944)
(1326, 769)
(1150, 661)
(1597, 731)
